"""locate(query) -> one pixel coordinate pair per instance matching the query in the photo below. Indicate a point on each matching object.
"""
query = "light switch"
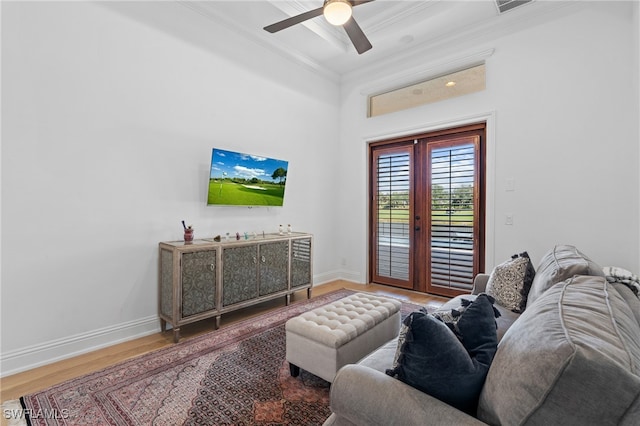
(510, 184)
(509, 219)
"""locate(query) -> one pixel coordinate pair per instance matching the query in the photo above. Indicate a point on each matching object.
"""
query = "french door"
(427, 210)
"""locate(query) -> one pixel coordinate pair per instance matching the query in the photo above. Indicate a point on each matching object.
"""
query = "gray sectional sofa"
(571, 358)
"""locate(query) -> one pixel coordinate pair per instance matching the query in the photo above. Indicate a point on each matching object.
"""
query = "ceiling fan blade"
(293, 20)
(359, 40)
(358, 3)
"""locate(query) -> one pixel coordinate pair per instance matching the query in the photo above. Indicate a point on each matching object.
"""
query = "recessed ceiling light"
(450, 83)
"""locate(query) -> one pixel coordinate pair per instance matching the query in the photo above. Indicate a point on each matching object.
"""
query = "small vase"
(188, 235)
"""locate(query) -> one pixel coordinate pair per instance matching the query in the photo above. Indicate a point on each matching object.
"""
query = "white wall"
(108, 126)
(562, 121)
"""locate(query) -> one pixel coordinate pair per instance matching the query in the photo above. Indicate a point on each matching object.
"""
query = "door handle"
(417, 228)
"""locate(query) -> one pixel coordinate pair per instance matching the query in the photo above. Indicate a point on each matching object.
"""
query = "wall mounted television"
(238, 179)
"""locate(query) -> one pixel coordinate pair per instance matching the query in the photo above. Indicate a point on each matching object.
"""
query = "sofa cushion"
(510, 282)
(559, 264)
(573, 357)
(629, 296)
(381, 358)
(433, 360)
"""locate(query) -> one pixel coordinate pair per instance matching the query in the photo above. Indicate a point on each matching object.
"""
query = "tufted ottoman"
(323, 340)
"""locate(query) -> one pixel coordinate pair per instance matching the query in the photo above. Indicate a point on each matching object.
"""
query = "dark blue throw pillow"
(449, 366)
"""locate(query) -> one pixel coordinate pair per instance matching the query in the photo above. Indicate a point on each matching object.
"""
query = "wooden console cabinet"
(205, 278)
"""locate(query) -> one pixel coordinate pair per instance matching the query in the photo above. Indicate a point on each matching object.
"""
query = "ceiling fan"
(337, 12)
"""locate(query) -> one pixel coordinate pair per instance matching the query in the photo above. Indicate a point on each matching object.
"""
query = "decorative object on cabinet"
(188, 233)
(208, 278)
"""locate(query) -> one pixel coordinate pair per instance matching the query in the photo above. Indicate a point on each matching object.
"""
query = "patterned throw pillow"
(451, 317)
(402, 337)
(510, 282)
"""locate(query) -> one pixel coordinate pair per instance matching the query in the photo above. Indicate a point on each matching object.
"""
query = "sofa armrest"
(367, 397)
(480, 283)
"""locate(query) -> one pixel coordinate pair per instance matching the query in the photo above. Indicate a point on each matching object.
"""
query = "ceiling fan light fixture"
(337, 12)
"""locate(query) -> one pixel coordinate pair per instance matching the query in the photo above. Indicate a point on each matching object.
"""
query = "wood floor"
(17, 385)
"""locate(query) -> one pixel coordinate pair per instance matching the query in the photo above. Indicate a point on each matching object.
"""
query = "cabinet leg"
(176, 334)
(218, 322)
(163, 325)
(309, 293)
(294, 370)
(287, 299)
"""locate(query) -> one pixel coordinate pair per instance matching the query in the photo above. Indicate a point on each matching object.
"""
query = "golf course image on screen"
(238, 179)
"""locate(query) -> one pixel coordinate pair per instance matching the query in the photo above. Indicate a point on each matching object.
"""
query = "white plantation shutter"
(453, 185)
(392, 204)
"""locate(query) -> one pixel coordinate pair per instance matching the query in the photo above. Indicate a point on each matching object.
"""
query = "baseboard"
(56, 350)
(326, 277)
(35, 356)
(352, 276)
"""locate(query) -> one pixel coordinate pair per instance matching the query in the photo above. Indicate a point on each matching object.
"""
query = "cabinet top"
(209, 242)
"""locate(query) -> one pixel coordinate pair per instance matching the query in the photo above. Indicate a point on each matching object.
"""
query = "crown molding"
(288, 53)
(486, 30)
(394, 16)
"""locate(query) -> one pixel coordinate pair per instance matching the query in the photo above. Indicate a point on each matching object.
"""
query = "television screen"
(238, 179)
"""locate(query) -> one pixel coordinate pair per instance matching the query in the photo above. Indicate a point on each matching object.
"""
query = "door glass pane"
(452, 216)
(392, 206)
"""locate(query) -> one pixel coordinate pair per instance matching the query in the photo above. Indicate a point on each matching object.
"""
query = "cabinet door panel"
(300, 262)
(239, 274)
(198, 282)
(274, 264)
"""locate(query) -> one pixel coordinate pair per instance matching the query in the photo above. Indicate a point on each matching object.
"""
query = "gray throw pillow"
(559, 264)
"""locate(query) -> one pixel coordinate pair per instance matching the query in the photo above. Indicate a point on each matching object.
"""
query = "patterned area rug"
(236, 375)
